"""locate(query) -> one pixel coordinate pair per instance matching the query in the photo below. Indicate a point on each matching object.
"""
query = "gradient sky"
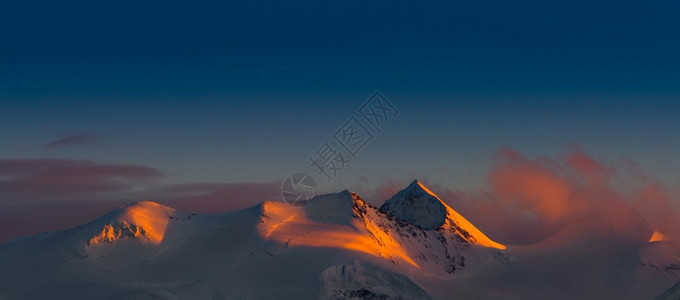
(245, 92)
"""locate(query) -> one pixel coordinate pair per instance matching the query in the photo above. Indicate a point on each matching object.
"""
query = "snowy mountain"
(346, 221)
(338, 247)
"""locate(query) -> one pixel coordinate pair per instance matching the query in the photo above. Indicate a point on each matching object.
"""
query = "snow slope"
(366, 281)
(338, 247)
(147, 250)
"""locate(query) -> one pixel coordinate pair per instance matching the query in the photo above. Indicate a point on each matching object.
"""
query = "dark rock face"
(416, 206)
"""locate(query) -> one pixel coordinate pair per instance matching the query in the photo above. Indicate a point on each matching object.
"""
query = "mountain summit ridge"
(418, 205)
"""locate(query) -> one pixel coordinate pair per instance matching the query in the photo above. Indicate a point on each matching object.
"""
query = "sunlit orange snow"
(289, 225)
(658, 237)
(143, 218)
(478, 237)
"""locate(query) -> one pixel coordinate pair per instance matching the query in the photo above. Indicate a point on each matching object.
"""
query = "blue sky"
(245, 92)
(204, 106)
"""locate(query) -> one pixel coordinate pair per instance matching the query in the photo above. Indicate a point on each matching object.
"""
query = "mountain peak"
(417, 205)
(144, 204)
(418, 185)
(334, 208)
(145, 219)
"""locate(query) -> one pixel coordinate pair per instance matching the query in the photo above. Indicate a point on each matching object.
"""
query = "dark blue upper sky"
(245, 91)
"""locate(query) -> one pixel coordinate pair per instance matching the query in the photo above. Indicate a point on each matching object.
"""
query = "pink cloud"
(530, 200)
(61, 177)
(71, 140)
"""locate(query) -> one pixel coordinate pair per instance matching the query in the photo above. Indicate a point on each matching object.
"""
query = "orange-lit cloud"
(529, 200)
(658, 237)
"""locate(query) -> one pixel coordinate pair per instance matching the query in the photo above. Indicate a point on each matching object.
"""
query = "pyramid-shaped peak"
(418, 185)
(414, 184)
(417, 205)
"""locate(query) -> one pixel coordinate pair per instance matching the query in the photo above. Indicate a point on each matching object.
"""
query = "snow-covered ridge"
(345, 221)
(330, 221)
(337, 247)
